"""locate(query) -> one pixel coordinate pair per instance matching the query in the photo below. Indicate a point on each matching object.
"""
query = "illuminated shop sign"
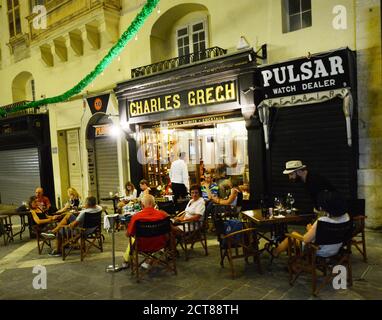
(102, 130)
(321, 72)
(208, 95)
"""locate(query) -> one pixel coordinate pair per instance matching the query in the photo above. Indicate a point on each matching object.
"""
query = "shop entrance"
(219, 148)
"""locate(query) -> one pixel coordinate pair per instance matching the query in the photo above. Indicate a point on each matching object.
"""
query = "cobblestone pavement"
(199, 278)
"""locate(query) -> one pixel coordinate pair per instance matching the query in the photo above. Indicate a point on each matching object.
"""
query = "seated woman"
(334, 205)
(130, 194)
(235, 195)
(144, 185)
(73, 202)
(39, 216)
(194, 210)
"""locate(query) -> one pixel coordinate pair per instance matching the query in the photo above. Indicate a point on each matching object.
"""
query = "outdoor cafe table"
(277, 226)
(115, 200)
(25, 221)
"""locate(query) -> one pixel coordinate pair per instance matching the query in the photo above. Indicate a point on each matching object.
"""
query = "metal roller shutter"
(106, 166)
(315, 134)
(19, 175)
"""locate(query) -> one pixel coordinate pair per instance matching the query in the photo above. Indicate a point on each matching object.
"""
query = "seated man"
(194, 210)
(148, 214)
(42, 202)
(334, 205)
(72, 221)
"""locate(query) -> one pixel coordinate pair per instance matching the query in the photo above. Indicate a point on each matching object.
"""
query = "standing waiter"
(179, 177)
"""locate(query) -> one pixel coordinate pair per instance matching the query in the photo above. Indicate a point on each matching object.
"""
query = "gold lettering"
(132, 110)
(209, 97)
(191, 98)
(139, 107)
(218, 91)
(176, 101)
(167, 102)
(147, 107)
(230, 91)
(160, 106)
(154, 105)
(200, 97)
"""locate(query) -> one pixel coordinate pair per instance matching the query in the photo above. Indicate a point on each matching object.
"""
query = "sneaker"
(48, 235)
(55, 253)
(125, 265)
(145, 265)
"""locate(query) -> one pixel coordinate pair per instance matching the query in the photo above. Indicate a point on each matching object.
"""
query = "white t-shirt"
(81, 216)
(193, 208)
(179, 173)
(131, 196)
(328, 250)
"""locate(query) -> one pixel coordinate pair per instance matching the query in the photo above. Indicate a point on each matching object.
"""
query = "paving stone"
(201, 277)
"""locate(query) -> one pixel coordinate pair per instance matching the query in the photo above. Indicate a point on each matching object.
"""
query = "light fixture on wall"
(110, 116)
(242, 44)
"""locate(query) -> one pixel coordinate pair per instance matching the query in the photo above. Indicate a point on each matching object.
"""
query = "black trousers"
(178, 190)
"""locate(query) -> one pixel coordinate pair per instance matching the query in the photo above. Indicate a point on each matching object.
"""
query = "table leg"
(3, 228)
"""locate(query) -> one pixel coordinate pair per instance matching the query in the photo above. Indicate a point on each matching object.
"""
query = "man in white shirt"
(179, 177)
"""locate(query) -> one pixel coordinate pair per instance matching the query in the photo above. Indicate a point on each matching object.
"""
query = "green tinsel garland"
(113, 52)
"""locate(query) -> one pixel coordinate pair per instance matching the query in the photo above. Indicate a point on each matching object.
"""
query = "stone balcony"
(74, 27)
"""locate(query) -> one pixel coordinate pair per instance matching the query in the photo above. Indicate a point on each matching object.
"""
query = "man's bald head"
(39, 192)
(148, 201)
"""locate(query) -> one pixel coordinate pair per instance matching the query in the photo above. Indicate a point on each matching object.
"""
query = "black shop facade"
(308, 110)
(205, 110)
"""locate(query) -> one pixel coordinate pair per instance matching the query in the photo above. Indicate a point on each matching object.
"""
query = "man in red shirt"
(148, 214)
(43, 202)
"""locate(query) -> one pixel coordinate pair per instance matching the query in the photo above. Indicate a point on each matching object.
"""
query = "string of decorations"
(113, 52)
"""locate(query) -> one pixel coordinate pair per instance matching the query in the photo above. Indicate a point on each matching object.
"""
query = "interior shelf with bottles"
(159, 151)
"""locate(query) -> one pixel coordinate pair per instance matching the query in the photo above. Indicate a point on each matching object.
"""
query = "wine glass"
(278, 205)
(291, 201)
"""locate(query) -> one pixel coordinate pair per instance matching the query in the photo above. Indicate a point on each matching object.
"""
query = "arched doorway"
(102, 157)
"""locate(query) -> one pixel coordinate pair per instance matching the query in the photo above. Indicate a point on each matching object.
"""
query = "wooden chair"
(306, 259)
(193, 232)
(37, 229)
(239, 244)
(85, 238)
(153, 241)
(357, 212)
(6, 228)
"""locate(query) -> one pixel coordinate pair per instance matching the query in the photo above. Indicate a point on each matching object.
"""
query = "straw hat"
(292, 166)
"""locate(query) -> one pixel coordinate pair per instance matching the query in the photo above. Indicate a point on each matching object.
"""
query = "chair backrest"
(356, 207)
(231, 226)
(92, 219)
(239, 202)
(333, 233)
(153, 228)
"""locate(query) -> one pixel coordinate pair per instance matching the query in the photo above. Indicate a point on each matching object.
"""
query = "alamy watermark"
(340, 19)
(340, 280)
(39, 21)
(39, 281)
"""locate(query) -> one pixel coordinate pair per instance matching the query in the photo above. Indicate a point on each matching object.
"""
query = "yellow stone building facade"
(40, 62)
